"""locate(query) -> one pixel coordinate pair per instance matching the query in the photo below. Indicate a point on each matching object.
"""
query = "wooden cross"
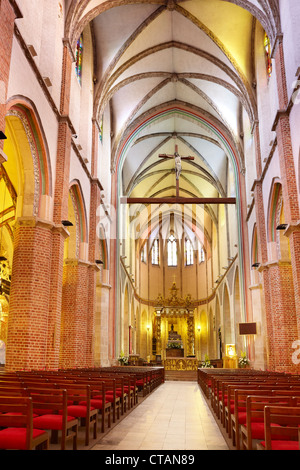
(178, 167)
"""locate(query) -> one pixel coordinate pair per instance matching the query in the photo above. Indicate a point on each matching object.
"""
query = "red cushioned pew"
(52, 409)
(281, 426)
(17, 428)
(254, 429)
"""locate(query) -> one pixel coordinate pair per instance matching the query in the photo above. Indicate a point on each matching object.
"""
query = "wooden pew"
(56, 401)
(16, 419)
(238, 402)
(253, 430)
(81, 408)
(288, 418)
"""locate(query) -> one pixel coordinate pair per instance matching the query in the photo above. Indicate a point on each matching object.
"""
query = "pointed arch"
(80, 210)
(103, 247)
(22, 110)
(275, 202)
(254, 250)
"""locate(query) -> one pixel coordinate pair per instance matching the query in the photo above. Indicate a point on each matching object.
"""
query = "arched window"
(189, 253)
(267, 47)
(144, 253)
(201, 254)
(79, 54)
(155, 252)
(172, 251)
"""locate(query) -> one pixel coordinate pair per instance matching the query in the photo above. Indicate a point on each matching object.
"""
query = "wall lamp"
(67, 223)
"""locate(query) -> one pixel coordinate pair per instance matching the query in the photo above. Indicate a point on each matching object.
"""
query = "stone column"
(102, 325)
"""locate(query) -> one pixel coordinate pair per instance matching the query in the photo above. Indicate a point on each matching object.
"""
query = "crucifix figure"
(178, 166)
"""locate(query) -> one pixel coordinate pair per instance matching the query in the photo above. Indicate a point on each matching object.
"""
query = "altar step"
(181, 375)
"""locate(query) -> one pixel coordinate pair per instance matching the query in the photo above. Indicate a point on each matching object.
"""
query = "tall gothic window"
(144, 253)
(201, 255)
(189, 253)
(172, 251)
(267, 47)
(155, 252)
(79, 54)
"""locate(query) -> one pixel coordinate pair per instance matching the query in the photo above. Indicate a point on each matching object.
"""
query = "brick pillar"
(74, 334)
(288, 176)
(30, 295)
(284, 323)
(60, 212)
(94, 269)
(56, 276)
(263, 250)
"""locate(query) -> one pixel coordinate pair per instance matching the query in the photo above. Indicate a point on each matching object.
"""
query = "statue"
(178, 166)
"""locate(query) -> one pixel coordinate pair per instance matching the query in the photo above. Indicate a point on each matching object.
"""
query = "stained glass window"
(79, 53)
(172, 251)
(101, 130)
(267, 47)
(155, 252)
(189, 253)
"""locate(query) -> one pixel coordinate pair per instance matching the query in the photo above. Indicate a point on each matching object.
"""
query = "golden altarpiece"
(174, 331)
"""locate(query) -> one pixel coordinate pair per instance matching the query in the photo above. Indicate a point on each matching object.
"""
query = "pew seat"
(18, 431)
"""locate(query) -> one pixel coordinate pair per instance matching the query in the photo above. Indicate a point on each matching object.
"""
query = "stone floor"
(175, 416)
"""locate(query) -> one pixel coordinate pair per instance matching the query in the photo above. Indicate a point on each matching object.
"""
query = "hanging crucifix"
(178, 166)
(178, 199)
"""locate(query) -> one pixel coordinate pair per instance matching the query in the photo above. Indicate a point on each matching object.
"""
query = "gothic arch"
(227, 320)
(28, 148)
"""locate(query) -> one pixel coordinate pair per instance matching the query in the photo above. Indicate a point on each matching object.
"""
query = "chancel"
(149, 213)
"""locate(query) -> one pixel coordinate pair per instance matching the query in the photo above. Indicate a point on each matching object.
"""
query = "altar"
(175, 352)
(181, 364)
(174, 330)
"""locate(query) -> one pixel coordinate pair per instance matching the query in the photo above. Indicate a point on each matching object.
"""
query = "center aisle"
(174, 417)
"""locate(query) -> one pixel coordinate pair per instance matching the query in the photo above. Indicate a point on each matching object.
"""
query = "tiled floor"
(174, 417)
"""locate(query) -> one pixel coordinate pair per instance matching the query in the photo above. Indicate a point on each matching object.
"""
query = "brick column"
(30, 295)
(74, 335)
(94, 271)
(60, 213)
(56, 276)
(288, 175)
(263, 249)
(284, 323)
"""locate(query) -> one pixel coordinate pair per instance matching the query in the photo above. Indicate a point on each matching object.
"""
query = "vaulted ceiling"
(191, 55)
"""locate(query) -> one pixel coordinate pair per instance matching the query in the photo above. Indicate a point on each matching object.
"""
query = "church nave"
(175, 416)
